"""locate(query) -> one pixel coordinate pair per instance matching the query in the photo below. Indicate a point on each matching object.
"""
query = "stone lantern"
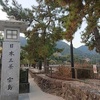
(11, 58)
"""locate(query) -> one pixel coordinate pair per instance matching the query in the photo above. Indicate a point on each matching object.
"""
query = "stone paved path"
(37, 94)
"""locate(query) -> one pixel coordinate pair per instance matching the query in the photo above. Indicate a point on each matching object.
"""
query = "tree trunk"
(97, 39)
(46, 68)
(40, 65)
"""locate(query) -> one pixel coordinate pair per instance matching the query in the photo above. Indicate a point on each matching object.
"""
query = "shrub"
(83, 73)
(62, 72)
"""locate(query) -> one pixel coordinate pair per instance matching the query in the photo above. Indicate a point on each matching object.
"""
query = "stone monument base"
(24, 88)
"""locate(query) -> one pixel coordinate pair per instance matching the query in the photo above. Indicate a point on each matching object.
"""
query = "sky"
(28, 3)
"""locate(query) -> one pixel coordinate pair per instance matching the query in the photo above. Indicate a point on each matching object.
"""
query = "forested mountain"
(66, 49)
(93, 55)
(86, 50)
(82, 51)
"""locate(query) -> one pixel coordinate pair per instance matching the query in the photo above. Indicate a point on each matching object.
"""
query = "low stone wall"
(33, 73)
(69, 90)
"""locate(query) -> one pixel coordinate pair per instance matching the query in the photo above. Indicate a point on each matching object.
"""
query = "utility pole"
(72, 59)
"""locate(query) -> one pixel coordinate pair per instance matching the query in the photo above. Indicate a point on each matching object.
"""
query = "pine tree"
(44, 29)
(80, 10)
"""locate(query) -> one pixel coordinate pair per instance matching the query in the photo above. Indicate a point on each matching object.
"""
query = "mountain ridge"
(81, 51)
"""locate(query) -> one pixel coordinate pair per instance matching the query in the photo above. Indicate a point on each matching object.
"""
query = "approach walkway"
(36, 93)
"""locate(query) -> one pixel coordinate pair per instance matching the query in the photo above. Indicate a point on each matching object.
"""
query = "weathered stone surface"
(69, 90)
(10, 71)
(10, 59)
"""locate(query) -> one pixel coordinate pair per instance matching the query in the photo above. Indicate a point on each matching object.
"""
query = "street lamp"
(72, 59)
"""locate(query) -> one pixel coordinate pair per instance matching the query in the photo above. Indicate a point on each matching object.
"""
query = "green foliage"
(24, 56)
(16, 10)
(77, 12)
(43, 32)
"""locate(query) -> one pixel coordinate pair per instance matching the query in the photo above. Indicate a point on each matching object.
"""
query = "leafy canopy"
(77, 12)
(44, 29)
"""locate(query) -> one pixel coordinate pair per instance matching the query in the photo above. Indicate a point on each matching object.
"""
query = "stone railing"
(69, 90)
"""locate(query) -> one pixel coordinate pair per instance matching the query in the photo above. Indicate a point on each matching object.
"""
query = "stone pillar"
(11, 59)
(10, 65)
